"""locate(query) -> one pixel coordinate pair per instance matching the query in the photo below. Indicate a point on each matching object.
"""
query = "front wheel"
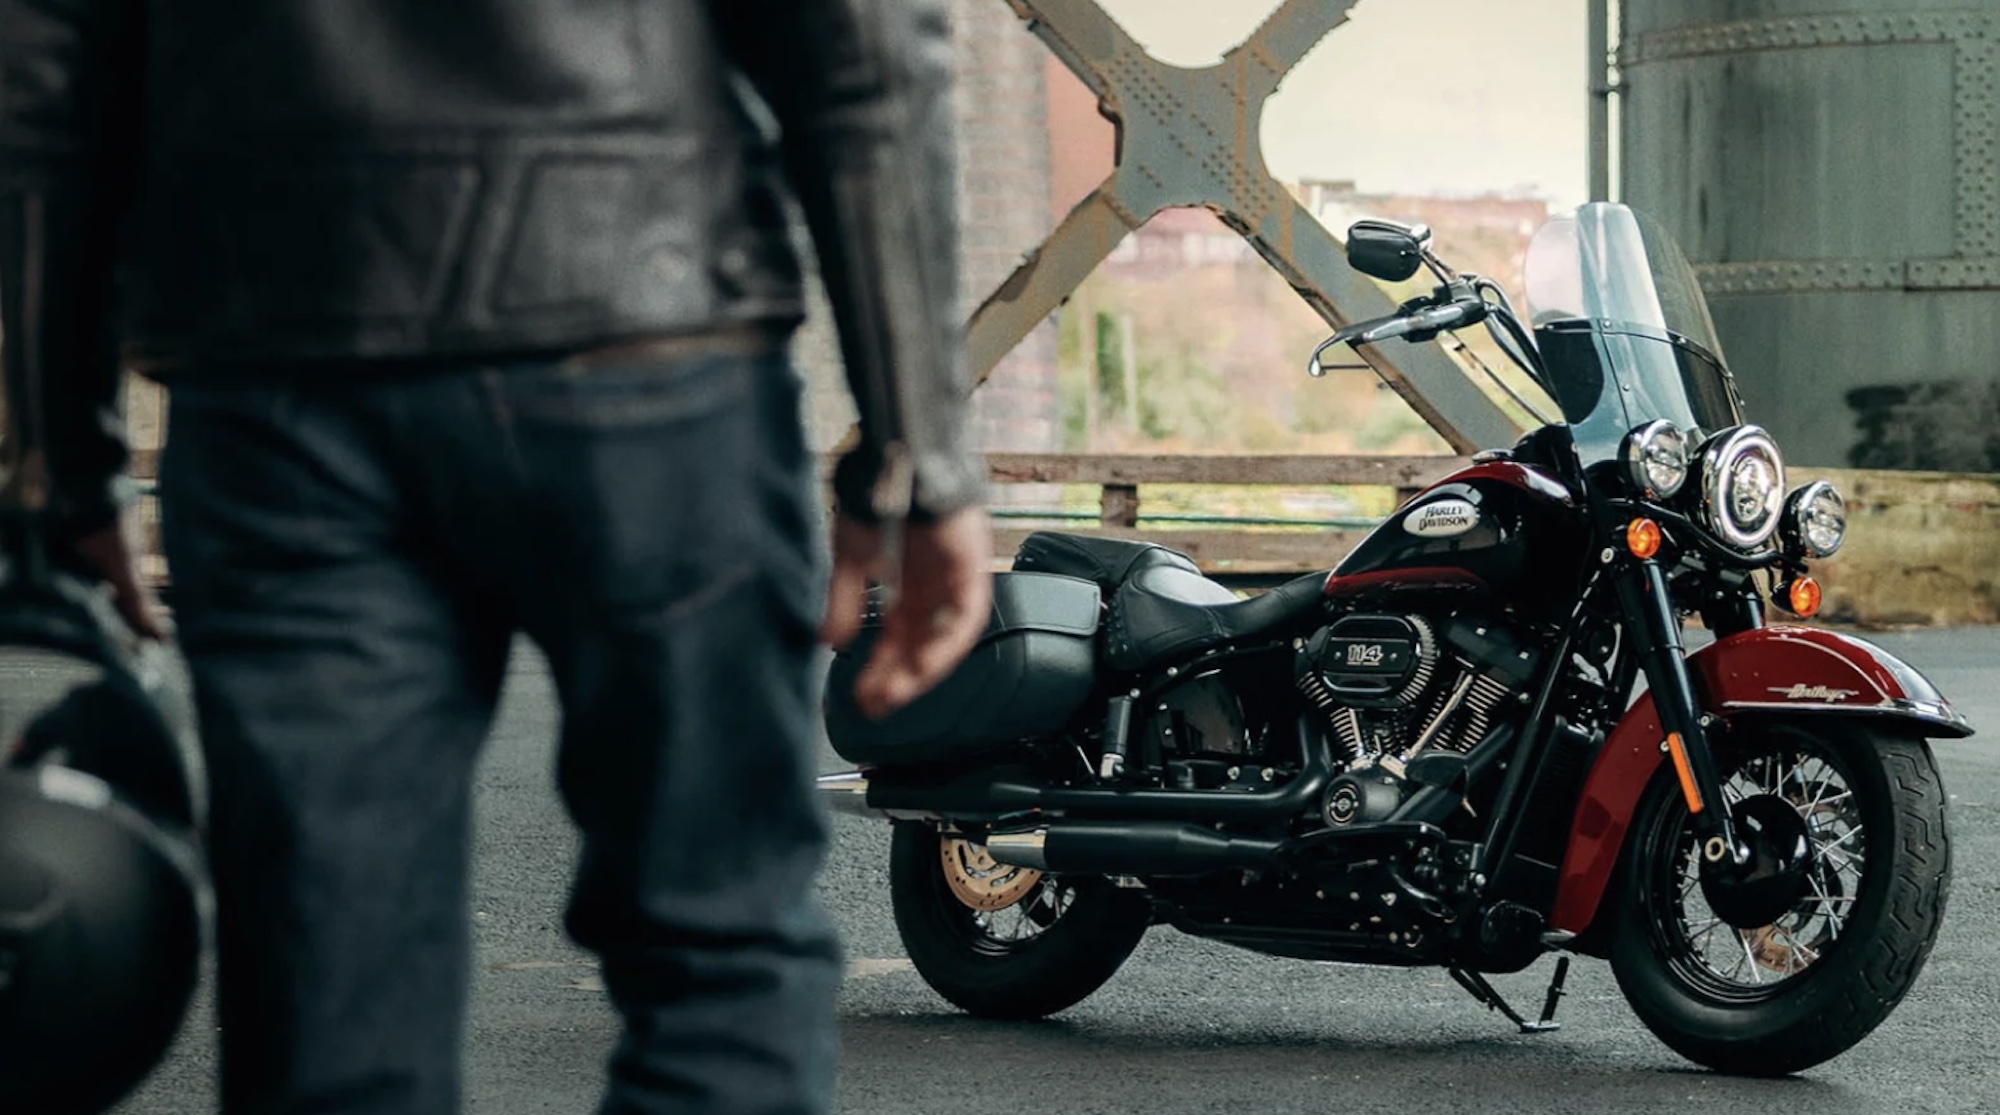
(1809, 963)
(1001, 941)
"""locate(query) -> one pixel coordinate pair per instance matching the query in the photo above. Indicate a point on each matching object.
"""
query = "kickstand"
(1476, 986)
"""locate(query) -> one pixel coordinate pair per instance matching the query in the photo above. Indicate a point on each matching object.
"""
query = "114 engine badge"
(1364, 654)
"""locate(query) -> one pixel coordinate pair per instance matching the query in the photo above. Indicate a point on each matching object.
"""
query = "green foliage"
(1319, 408)
(1181, 398)
(1071, 371)
(1075, 413)
(1111, 401)
(1213, 362)
(1391, 421)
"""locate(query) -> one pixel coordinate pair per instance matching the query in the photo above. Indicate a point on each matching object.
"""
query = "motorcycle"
(1439, 752)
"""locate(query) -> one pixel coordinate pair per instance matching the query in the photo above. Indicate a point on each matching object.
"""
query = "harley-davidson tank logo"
(1446, 518)
(1803, 692)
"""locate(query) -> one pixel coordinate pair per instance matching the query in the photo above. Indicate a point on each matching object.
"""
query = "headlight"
(1816, 519)
(1743, 485)
(1656, 458)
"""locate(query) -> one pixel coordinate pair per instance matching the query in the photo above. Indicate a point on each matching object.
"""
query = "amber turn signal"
(1685, 770)
(1802, 597)
(1642, 537)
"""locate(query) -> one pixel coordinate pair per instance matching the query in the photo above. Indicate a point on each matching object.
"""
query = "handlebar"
(1459, 302)
(1428, 322)
(1419, 320)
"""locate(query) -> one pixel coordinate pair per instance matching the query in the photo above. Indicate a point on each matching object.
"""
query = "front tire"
(1022, 957)
(1780, 998)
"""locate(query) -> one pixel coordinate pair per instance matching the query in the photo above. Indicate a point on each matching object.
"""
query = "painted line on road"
(877, 966)
(864, 968)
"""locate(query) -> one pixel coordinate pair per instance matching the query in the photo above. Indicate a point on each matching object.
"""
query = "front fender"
(1799, 671)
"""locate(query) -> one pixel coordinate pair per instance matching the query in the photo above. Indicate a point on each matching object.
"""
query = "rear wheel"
(1001, 941)
(1809, 961)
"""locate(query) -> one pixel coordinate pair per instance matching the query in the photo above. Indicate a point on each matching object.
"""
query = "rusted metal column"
(1190, 137)
(1834, 175)
(1597, 51)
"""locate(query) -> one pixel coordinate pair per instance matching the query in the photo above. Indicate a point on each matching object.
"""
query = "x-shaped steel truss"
(1191, 137)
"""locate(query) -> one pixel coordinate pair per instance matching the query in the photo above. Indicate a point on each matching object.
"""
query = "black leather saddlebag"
(1030, 673)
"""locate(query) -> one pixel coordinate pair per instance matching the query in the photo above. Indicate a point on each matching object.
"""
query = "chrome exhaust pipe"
(1139, 848)
(847, 793)
(1020, 849)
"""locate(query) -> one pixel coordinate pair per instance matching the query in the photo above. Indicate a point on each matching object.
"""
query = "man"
(474, 314)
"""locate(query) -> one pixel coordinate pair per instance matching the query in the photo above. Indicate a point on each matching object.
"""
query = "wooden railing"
(1225, 549)
(1222, 548)
(145, 468)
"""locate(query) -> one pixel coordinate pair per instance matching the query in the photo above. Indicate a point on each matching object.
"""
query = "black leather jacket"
(210, 189)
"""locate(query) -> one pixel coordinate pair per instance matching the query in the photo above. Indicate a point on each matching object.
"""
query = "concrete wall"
(1920, 548)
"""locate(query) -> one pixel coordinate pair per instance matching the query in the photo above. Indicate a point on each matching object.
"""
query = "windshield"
(1624, 330)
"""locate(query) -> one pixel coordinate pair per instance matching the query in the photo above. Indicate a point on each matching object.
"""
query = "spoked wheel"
(1795, 964)
(1001, 941)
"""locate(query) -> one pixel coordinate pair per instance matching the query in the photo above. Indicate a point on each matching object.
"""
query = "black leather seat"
(1164, 612)
(1109, 562)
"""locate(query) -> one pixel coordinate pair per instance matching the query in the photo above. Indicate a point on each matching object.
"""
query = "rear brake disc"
(981, 882)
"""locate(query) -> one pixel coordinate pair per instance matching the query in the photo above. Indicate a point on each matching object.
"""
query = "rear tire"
(1781, 998)
(1081, 931)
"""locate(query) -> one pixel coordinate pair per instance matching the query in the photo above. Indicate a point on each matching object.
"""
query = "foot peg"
(1476, 986)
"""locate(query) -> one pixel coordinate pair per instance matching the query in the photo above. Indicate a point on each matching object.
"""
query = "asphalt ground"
(1188, 1026)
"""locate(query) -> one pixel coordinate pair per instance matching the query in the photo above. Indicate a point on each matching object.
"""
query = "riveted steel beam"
(1190, 136)
(1974, 36)
(1816, 276)
(1803, 33)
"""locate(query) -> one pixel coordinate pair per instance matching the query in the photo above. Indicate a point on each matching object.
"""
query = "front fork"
(1643, 595)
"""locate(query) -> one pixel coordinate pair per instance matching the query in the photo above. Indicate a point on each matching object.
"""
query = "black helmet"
(104, 901)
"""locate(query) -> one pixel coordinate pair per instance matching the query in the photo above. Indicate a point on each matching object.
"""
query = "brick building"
(1486, 234)
(1007, 204)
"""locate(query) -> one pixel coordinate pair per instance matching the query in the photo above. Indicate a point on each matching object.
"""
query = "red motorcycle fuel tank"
(1500, 529)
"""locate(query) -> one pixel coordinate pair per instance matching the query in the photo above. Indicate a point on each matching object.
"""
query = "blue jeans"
(350, 564)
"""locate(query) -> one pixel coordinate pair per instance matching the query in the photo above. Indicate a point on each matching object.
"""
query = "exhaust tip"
(848, 793)
(1020, 849)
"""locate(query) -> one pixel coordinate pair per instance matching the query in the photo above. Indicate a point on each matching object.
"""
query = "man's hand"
(110, 553)
(943, 598)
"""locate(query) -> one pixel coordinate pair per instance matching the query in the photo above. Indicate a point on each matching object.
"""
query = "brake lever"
(1415, 324)
(1347, 334)
(1454, 315)
(1352, 334)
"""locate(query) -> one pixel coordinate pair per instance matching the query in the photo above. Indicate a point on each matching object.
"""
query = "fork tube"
(1642, 592)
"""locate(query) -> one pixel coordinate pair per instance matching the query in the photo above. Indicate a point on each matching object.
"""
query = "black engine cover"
(1369, 661)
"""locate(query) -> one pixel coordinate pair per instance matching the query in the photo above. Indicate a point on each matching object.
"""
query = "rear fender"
(1793, 671)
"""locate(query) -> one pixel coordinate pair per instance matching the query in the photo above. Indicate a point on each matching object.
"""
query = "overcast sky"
(1442, 96)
